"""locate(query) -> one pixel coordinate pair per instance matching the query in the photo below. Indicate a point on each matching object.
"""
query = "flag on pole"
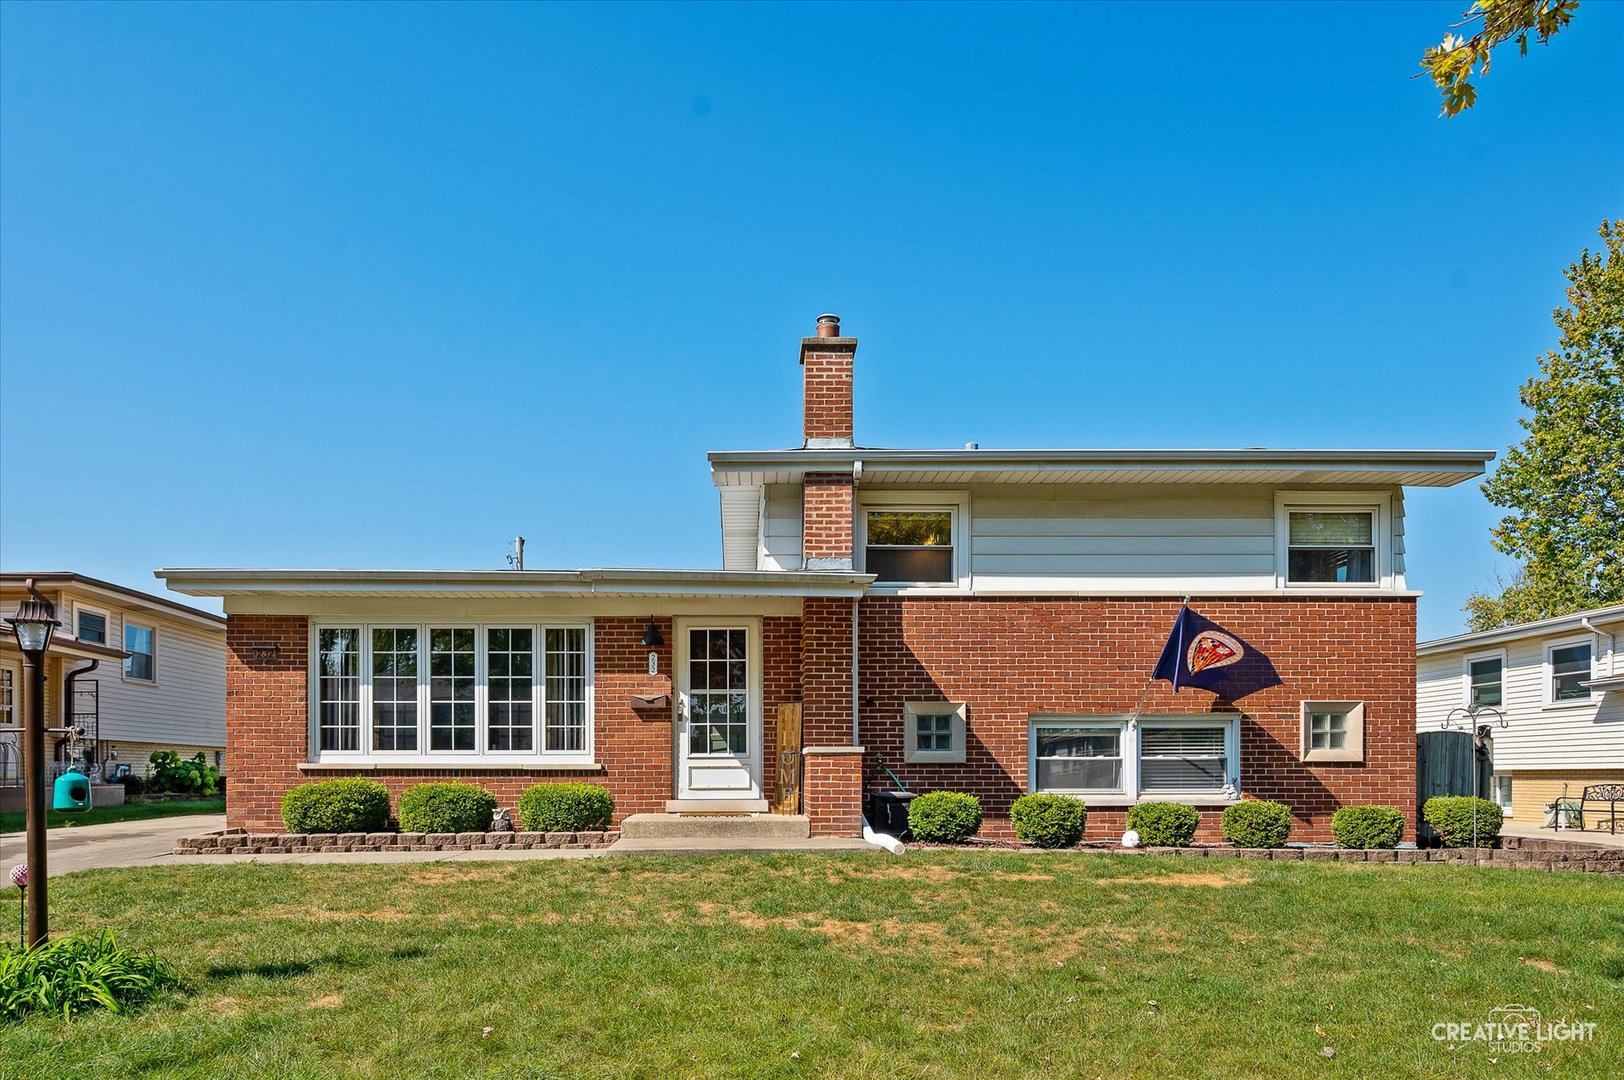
(1202, 654)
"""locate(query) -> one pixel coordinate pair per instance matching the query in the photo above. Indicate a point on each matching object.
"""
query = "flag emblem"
(1213, 649)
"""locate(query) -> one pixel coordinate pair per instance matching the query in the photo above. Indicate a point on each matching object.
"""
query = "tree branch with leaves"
(1454, 62)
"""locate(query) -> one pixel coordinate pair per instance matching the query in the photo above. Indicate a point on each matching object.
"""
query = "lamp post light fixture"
(1466, 718)
(34, 623)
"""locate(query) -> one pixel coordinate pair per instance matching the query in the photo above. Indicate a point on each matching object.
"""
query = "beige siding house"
(151, 674)
(1560, 685)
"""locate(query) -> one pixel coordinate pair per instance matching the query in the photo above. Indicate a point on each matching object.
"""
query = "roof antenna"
(516, 557)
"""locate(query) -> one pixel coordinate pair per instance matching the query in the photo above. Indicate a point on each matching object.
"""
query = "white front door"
(718, 709)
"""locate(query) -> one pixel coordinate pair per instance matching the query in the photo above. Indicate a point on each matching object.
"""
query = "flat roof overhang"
(496, 584)
(1410, 468)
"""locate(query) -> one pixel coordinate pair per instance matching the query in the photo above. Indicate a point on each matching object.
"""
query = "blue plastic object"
(72, 792)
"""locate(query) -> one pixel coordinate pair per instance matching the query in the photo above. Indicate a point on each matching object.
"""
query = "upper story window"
(141, 643)
(90, 625)
(912, 546)
(1569, 666)
(453, 691)
(1332, 546)
(1485, 681)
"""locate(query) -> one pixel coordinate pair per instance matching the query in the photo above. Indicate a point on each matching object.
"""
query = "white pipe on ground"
(882, 840)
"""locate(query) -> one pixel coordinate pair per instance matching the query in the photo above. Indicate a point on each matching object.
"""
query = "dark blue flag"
(1202, 654)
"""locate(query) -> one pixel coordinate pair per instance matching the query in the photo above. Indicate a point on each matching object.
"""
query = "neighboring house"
(1559, 683)
(139, 673)
(981, 620)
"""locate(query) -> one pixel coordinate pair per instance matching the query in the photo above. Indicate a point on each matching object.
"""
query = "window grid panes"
(933, 732)
(1182, 758)
(1570, 669)
(1079, 758)
(1331, 546)
(138, 643)
(510, 688)
(566, 689)
(1328, 730)
(1485, 679)
(394, 688)
(719, 692)
(909, 546)
(339, 688)
(452, 682)
(92, 627)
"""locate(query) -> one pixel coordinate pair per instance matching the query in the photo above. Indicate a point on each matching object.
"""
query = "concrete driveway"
(121, 843)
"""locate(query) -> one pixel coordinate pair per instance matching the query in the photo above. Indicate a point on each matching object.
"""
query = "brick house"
(979, 620)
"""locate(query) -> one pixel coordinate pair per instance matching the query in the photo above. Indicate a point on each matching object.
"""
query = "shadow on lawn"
(287, 969)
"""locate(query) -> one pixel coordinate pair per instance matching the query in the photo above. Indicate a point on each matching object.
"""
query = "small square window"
(933, 732)
(1333, 730)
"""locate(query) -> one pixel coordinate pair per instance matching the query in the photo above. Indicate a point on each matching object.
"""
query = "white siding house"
(1559, 684)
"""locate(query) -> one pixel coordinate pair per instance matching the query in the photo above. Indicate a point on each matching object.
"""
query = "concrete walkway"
(118, 843)
(1571, 836)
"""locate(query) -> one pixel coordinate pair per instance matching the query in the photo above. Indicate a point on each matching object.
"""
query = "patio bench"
(1610, 796)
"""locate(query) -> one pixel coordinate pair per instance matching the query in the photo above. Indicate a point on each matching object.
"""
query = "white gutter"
(1612, 644)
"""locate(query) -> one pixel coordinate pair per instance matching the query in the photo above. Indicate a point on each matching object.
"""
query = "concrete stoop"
(716, 826)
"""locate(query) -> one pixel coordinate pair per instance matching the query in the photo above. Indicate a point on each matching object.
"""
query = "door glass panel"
(718, 684)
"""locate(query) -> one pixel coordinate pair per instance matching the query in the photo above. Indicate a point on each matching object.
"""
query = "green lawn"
(936, 964)
(101, 815)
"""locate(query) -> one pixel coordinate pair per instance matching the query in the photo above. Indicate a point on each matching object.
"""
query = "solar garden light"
(34, 622)
(1466, 719)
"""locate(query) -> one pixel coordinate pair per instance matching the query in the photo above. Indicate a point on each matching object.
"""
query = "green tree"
(1564, 483)
(1453, 62)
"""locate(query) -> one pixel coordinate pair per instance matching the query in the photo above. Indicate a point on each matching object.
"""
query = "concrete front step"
(716, 827)
(681, 846)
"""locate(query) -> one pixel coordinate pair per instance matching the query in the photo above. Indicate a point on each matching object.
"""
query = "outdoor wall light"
(651, 636)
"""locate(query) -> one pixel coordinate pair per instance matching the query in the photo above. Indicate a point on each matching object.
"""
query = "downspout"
(67, 705)
(856, 735)
(1612, 643)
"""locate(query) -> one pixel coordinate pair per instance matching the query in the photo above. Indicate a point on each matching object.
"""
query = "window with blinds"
(1332, 546)
(1183, 758)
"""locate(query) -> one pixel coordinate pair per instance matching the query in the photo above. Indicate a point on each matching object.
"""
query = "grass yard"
(102, 815)
(937, 964)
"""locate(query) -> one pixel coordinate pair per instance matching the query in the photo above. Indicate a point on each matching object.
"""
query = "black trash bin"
(888, 811)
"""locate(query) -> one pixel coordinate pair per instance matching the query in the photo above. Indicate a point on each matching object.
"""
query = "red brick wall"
(1008, 658)
(826, 375)
(267, 724)
(833, 795)
(826, 508)
(780, 685)
(826, 624)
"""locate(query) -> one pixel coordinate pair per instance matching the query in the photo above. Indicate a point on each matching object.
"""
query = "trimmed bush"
(1049, 821)
(351, 804)
(944, 817)
(1257, 823)
(184, 776)
(1451, 815)
(566, 807)
(68, 975)
(1164, 824)
(446, 807)
(1367, 827)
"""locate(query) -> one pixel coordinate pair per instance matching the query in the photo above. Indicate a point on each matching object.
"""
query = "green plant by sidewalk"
(71, 974)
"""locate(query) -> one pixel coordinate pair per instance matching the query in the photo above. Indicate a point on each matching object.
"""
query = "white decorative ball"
(1130, 839)
(19, 875)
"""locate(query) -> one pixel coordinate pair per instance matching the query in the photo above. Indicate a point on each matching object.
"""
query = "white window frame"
(1353, 750)
(1131, 729)
(1548, 673)
(912, 711)
(107, 623)
(1380, 506)
(1466, 675)
(1503, 804)
(480, 755)
(954, 503)
(123, 668)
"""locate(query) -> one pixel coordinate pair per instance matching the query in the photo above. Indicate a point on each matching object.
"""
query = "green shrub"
(446, 808)
(67, 975)
(1049, 821)
(1164, 824)
(351, 804)
(1257, 823)
(1451, 815)
(566, 807)
(944, 817)
(187, 776)
(1367, 827)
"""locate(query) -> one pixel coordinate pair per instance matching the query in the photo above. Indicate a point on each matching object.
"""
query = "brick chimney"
(826, 362)
(827, 498)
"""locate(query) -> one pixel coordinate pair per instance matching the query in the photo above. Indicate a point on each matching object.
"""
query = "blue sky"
(354, 285)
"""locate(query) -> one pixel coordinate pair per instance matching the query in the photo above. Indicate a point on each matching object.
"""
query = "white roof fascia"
(1560, 624)
(634, 582)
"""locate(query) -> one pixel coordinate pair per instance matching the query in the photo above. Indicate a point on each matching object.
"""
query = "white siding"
(781, 528)
(1589, 735)
(186, 705)
(741, 518)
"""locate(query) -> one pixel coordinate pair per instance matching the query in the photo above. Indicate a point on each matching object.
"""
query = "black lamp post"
(34, 622)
